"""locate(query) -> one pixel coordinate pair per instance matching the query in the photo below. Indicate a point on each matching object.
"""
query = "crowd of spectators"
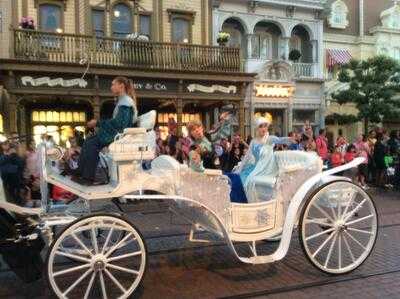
(19, 166)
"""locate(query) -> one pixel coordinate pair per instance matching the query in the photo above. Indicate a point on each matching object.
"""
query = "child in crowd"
(196, 164)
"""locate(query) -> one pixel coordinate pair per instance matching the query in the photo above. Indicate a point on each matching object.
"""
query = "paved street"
(179, 269)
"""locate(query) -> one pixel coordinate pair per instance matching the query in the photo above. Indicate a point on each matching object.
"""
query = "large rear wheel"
(338, 227)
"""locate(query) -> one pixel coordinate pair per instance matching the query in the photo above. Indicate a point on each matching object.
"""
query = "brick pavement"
(203, 271)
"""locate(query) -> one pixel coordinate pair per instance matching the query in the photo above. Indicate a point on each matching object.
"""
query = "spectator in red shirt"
(322, 145)
(336, 158)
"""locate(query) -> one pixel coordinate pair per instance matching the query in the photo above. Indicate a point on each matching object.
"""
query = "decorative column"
(249, 47)
(179, 112)
(290, 115)
(315, 50)
(12, 114)
(286, 48)
(241, 119)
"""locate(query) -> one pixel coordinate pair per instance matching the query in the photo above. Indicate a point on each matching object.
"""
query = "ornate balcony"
(32, 45)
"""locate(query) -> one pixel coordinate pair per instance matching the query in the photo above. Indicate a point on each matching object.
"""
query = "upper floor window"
(396, 53)
(180, 30)
(98, 18)
(338, 15)
(145, 25)
(122, 21)
(50, 17)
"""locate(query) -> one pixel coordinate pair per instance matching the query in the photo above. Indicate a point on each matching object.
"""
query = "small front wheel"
(338, 227)
(103, 267)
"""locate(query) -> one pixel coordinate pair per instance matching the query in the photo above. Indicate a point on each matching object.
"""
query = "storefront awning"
(337, 57)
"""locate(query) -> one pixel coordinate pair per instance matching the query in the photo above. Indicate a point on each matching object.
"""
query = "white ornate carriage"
(336, 219)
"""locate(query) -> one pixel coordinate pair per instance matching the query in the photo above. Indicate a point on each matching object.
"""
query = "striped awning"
(337, 57)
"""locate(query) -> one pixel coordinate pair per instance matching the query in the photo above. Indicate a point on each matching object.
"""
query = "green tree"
(373, 86)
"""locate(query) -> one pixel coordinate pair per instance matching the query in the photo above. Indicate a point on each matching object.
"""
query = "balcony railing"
(304, 70)
(43, 46)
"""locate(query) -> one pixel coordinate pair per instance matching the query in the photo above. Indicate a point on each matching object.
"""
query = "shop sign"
(213, 88)
(273, 90)
(157, 86)
(53, 82)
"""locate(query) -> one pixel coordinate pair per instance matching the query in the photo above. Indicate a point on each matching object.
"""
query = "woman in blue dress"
(254, 178)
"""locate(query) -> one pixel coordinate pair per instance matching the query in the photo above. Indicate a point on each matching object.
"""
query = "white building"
(268, 31)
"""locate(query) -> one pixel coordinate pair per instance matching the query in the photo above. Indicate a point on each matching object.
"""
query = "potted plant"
(27, 23)
(223, 38)
(294, 55)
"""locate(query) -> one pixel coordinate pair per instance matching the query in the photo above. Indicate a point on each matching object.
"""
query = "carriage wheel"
(108, 267)
(338, 227)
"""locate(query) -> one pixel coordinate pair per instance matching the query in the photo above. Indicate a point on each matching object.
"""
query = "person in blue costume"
(124, 116)
(254, 178)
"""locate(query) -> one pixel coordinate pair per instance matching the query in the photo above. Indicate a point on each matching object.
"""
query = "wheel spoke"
(323, 212)
(119, 257)
(114, 280)
(107, 240)
(123, 269)
(322, 245)
(62, 272)
(77, 282)
(94, 240)
(350, 214)
(340, 250)
(348, 248)
(355, 240)
(81, 244)
(360, 219)
(320, 234)
(103, 286)
(318, 221)
(89, 287)
(116, 246)
(360, 230)
(348, 204)
(73, 256)
(330, 251)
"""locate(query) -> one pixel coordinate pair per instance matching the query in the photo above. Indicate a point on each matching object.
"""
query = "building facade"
(356, 29)
(282, 42)
(57, 76)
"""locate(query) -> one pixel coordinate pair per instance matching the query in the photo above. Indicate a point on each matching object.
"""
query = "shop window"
(145, 25)
(58, 124)
(122, 21)
(162, 121)
(50, 17)
(98, 24)
(2, 135)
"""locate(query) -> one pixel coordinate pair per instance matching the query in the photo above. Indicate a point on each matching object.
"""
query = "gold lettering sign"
(275, 91)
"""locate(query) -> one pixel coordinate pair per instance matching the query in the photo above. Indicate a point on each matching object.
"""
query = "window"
(122, 23)
(58, 124)
(338, 15)
(162, 122)
(98, 22)
(145, 25)
(262, 45)
(2, 137)
(396, 53)
(180, 30)
(1, 22)
(50, 17)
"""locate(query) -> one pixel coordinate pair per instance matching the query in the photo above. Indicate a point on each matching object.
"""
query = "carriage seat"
(286, 162)
(136, 143)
